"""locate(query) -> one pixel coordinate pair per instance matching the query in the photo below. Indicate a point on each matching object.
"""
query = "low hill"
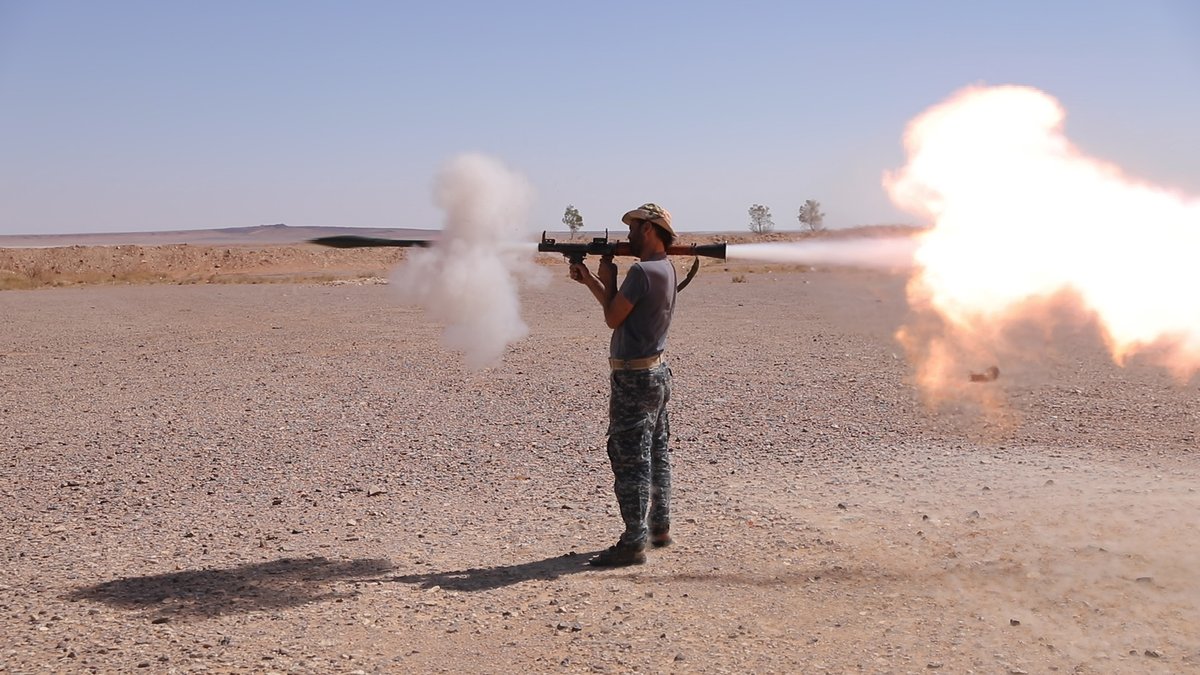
(259, 235)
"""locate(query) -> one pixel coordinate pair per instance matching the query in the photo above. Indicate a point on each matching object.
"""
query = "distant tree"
(572, 219)
(810, 215)
(760, 219)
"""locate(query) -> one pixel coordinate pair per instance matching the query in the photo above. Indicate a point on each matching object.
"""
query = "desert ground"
(297, 477)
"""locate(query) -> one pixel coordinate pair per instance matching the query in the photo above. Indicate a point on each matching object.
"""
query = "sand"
(298, 478)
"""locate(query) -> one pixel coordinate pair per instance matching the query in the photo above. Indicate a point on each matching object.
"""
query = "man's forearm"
(603, 293)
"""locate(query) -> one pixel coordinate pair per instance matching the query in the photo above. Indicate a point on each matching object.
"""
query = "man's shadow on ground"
(288, 582)
(488, 578)
(291, 582)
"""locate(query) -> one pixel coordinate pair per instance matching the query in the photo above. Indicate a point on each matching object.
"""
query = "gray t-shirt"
(650, 286)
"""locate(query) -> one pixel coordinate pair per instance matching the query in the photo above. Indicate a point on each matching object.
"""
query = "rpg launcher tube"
(706, 250)
(602, 247)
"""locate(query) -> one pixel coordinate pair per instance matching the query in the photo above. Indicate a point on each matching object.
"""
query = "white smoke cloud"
(469, 280)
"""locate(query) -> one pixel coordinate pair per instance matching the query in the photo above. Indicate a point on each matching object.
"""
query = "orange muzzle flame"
(1023, 222)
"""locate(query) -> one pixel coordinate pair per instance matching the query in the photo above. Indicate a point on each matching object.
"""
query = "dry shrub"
(12, 281)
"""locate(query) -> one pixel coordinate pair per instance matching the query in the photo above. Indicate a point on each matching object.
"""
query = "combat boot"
(619, 555)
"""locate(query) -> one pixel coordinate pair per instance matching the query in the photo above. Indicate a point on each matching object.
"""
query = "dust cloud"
(469, 280)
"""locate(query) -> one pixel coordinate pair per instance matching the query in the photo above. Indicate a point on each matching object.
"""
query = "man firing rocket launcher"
(639, 311)
(574, 252)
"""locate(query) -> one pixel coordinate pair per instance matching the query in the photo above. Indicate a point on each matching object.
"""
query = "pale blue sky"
(156, 115)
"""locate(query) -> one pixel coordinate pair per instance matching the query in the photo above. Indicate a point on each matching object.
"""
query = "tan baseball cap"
(650, 212)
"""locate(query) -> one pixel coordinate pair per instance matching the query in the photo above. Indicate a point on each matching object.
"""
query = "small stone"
(988, 375)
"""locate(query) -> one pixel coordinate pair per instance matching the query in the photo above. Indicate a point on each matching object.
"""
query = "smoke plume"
(890, 253)
(468, 280)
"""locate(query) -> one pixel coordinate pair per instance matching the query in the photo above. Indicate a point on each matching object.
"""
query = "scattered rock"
(988, 375)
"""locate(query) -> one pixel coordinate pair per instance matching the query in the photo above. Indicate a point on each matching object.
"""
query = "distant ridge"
(256, 235)
(282, 235)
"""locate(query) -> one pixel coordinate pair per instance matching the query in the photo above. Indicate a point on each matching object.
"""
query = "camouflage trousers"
(638, 430)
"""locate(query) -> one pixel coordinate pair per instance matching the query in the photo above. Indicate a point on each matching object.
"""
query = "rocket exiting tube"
(354, 241)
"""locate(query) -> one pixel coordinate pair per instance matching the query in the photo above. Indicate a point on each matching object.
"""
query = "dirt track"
(296, 478)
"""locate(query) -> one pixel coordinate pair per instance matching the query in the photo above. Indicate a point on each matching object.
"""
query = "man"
(640, 314)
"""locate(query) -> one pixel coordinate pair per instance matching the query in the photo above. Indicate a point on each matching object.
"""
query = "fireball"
(1023, 223)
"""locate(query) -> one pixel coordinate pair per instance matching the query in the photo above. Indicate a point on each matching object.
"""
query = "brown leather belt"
(636, 364)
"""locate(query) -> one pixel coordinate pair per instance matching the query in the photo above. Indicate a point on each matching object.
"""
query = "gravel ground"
(297, 478)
